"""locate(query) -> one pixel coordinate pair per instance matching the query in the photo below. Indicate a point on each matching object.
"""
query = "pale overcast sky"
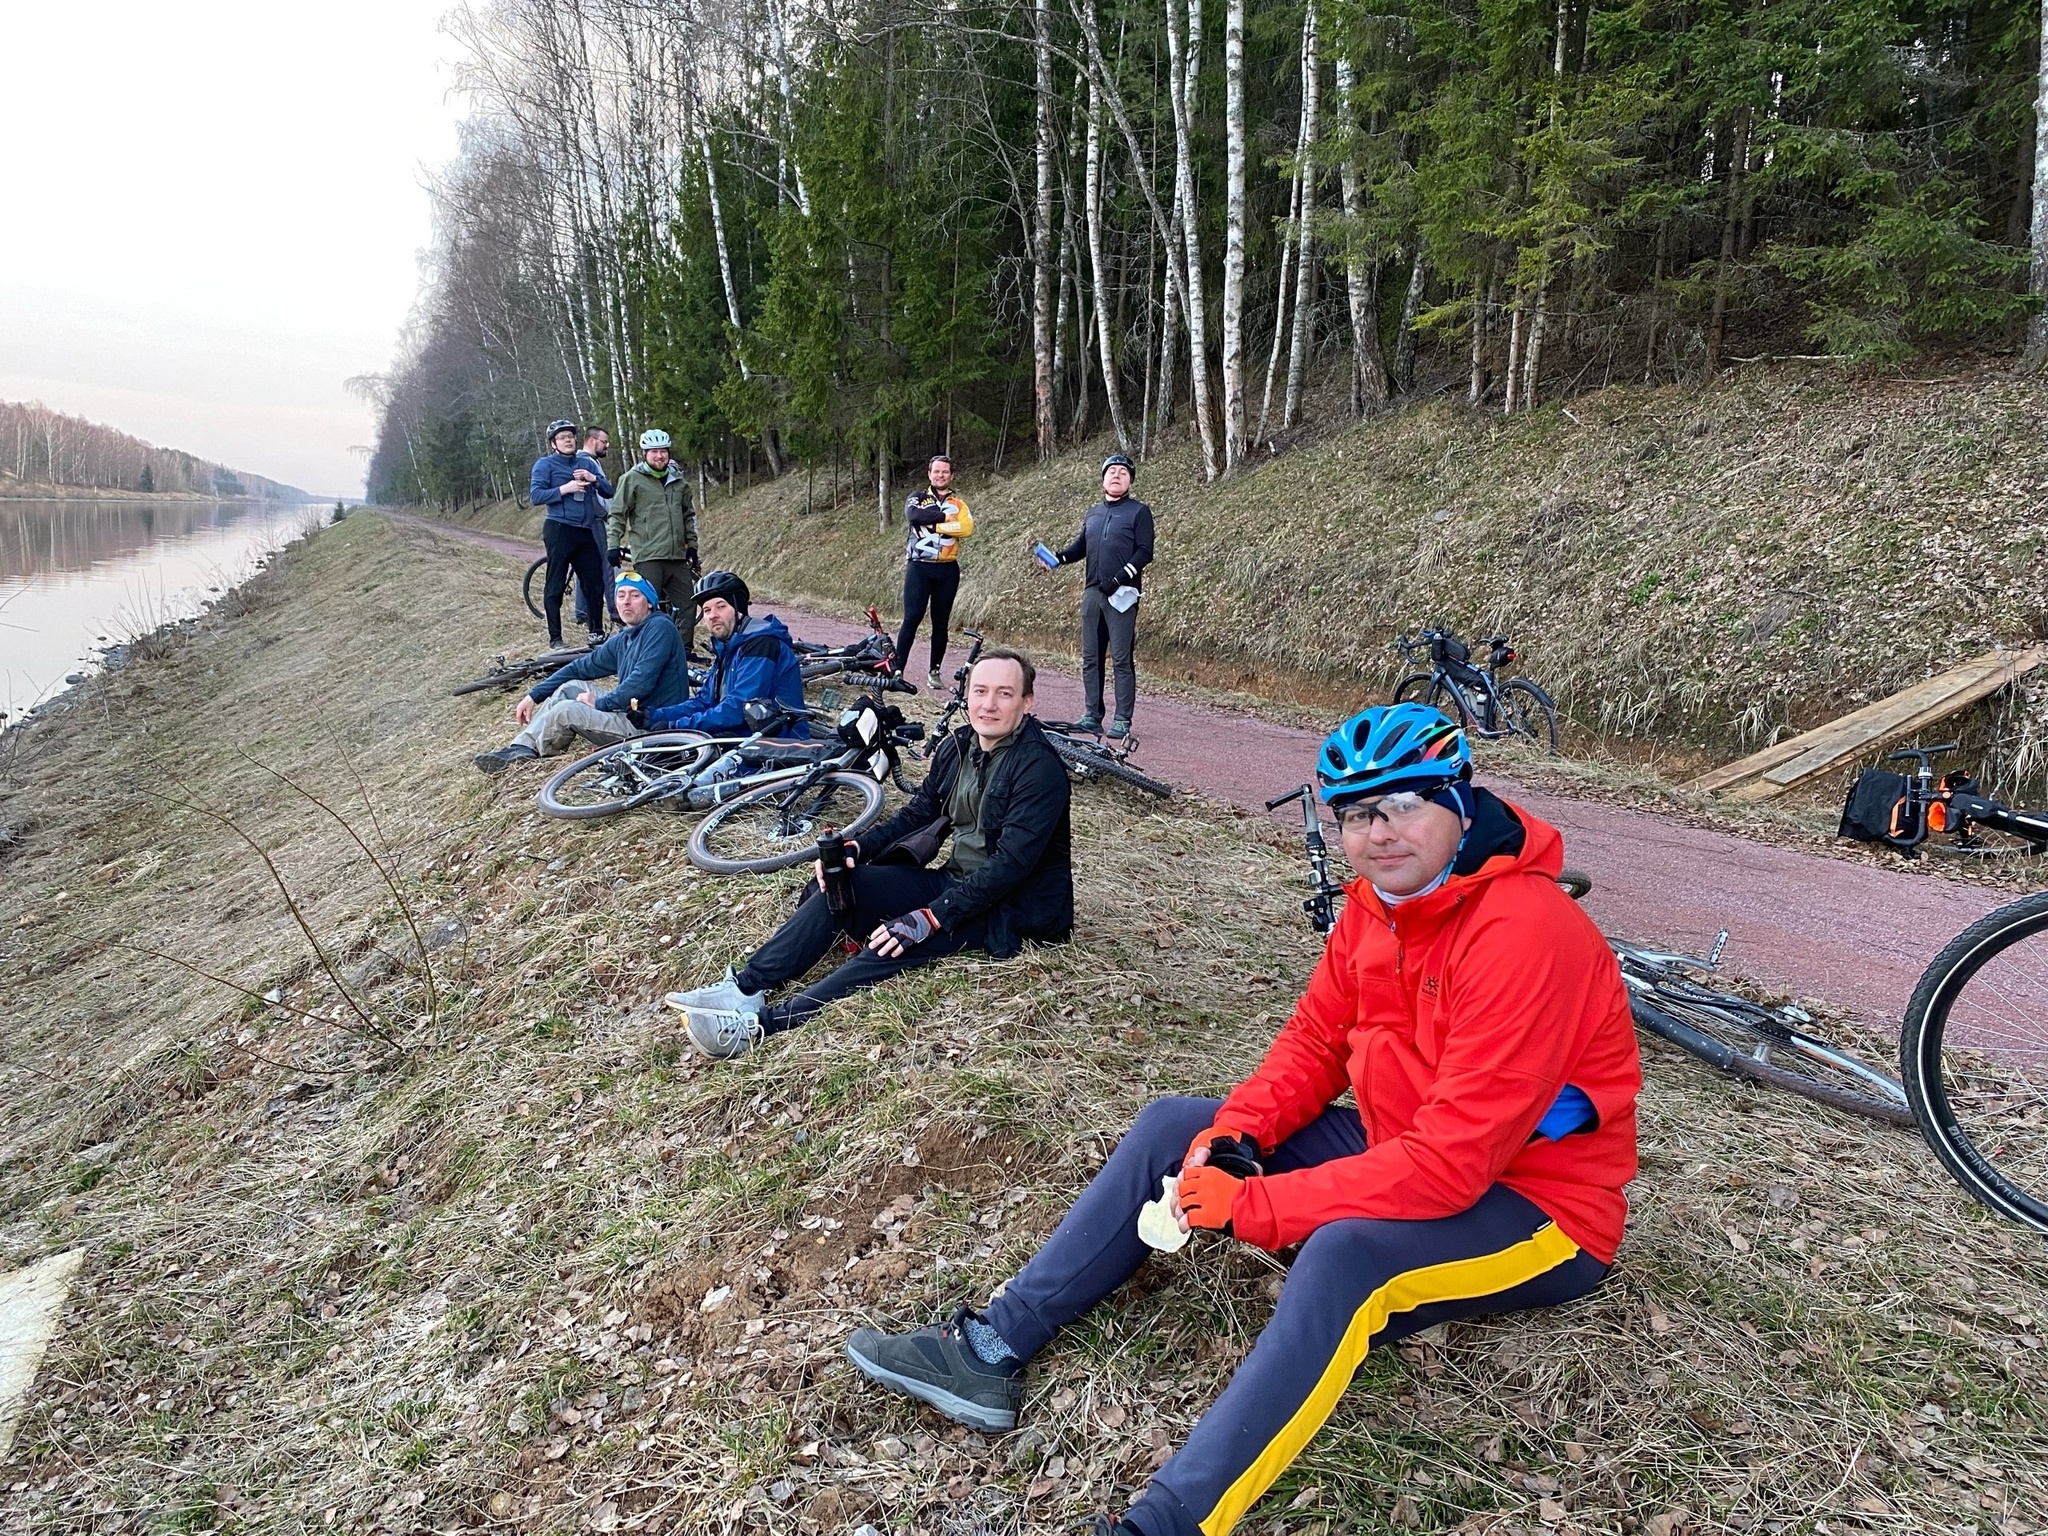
(218, 213)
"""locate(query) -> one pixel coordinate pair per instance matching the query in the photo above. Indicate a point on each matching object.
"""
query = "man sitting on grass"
(1481, 1022)
(997, 786)
(647, 658)
(751, 658)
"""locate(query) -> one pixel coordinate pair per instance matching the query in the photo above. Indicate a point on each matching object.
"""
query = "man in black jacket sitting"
(1001, 792)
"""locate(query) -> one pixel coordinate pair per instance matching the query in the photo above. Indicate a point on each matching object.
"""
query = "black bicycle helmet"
(555, 428)
(725, 584)
(1119, 458)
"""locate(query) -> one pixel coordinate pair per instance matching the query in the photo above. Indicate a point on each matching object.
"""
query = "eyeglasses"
(1397, 809)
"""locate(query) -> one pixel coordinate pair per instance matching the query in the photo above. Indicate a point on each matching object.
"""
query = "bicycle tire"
(793, 812)
(535, 590)
(1577, 883)
(1942, 1075)
(495, 680)
(1699, 1026)
(1412, 688)
(1085, 761)
(616, 780)
(1522, 723)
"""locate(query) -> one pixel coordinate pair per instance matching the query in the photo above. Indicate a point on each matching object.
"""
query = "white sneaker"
(725, 996)
(723, 1033)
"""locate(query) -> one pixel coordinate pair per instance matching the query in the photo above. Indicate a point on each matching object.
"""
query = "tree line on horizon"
(41, 448)
(849, 232)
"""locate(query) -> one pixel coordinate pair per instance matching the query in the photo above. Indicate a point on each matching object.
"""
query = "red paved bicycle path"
(1855, 935)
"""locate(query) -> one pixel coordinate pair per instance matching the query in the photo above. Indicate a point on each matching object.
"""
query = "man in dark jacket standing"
(654, 526)
(647, 658)
(568, 484)
(1002, 792)
(1116, 542)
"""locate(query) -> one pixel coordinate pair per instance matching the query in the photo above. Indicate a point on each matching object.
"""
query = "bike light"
(1507, 655)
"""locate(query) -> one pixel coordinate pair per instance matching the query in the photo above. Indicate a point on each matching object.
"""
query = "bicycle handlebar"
(1291, 795)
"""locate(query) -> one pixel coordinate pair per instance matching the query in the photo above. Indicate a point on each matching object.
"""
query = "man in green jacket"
(653, 523)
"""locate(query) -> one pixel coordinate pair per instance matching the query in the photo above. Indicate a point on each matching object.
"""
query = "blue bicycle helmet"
(1389, 748)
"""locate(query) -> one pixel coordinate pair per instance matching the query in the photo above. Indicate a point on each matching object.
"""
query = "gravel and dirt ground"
(404, 1209)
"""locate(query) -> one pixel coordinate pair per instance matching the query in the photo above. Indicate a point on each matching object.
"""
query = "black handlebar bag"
(1876, 810)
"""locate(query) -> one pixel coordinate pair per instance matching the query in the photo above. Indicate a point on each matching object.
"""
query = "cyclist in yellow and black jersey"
(938, 521)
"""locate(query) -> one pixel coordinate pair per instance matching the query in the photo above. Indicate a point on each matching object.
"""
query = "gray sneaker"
(723, 996)
(938, 1366)
(723, 1033)
(504, 757)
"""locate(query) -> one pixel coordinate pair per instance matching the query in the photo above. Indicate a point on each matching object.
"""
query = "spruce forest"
(846, 233)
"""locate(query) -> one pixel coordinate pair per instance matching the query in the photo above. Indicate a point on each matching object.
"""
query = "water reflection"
(78, 574)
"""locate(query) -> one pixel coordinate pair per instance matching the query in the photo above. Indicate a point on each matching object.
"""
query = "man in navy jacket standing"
(1116, 542)
(568, 484)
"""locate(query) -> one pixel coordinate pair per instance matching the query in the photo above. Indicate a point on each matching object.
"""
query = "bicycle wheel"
(1986, 845)
(1413, 688)
(535, 586)
(1576, 882)
(1974, 1054)
(777, 825)
(1774, 1046)
(1528, 712)
(1085, 761)
(630, 773)
(534, 590)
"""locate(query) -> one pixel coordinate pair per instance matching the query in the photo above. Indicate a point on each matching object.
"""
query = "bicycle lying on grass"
(1681, 999)
(1949, 816)
(872, 657)
(1472, 693)
(767, 795)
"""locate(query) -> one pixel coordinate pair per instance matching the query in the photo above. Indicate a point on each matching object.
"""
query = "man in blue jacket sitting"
(751, 658)
(647, 657)
(568, 484)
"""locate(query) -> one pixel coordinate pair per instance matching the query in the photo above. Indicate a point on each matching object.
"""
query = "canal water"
(78, 576)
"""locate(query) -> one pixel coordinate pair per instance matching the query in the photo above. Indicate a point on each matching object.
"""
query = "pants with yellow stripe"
(1355, 1284)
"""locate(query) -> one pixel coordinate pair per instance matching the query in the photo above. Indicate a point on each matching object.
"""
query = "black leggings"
(568, 545)
(880, 892)
(926, 581)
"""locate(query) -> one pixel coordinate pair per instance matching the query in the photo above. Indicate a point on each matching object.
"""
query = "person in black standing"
(1116, 542)
(938, 521)
(567, 484)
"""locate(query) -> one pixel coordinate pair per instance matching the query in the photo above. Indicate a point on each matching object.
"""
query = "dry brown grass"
(468, 1287)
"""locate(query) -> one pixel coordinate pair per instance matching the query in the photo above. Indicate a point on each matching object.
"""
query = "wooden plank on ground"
(1905, 713)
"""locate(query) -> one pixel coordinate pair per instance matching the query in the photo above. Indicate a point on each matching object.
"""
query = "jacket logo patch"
(1429, 986)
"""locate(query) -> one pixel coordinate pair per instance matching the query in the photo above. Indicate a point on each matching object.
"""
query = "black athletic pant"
(1102, 625)
(567, 546)
(879, 893)
(674, 584)
(936, 582)
(1356, 1285)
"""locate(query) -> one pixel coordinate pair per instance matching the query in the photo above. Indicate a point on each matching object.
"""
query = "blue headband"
(639, 584)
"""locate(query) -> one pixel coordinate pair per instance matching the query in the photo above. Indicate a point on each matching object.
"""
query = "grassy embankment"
(1694, 571)
(530, 1263)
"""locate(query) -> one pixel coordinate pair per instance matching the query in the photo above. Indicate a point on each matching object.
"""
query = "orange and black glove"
(1207, 1197)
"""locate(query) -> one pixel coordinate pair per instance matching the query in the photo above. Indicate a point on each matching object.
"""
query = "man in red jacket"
(1481, 1023)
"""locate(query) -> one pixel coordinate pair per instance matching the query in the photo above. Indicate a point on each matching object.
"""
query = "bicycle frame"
(1952, 804)
(1320, 905)
(1424, 649)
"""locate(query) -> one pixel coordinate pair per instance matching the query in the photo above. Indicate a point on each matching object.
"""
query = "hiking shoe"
(1119, 728)
(505, 757)
(1090, 722)
(933, 681)
(559, 644)
(596, 638)
(936, 1365)
(722, 996)
(723, 1033)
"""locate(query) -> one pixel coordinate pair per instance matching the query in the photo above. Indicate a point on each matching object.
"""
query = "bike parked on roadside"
(1473, 693)
(872, 658)
(1948, 816)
